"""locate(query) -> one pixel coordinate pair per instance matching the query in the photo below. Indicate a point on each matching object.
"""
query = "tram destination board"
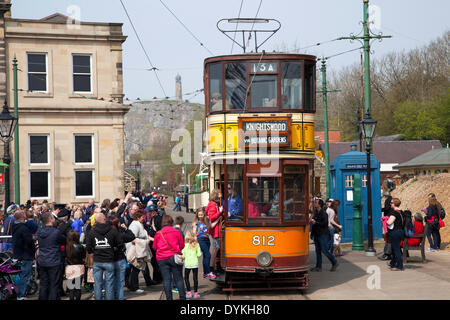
(265, 132)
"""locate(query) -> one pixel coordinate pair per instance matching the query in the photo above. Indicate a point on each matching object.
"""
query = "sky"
(174, 50)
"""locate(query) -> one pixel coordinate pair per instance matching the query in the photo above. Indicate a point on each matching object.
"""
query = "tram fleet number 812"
(263, 240)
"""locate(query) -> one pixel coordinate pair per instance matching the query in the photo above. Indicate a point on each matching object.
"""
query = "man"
(50, 241)
(7, 227)
(153, 225)
(23, 250)
(63, 224)
(103, 241)
(177, 203)
(89, 210)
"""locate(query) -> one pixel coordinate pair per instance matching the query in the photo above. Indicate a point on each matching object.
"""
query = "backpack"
(407, 224)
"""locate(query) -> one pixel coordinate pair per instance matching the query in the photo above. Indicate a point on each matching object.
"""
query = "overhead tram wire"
(234, 37)
(338, 54)
(187, 29)
(143, 48)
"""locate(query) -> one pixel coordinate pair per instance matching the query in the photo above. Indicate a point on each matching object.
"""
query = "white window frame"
(349, 181)
(75, 183)
(83, 74)
(92, 148)
(48, 184)
(48, 149)
(34, 72)
(364, 180)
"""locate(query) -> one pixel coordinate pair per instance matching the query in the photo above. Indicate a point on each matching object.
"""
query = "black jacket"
(78, 255)
(153, 225)
(321, 225)
(23, 243)
(127, 236)
(50, 241)
(103, 241)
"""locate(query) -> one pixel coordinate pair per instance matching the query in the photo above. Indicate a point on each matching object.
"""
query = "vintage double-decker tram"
(260, 150)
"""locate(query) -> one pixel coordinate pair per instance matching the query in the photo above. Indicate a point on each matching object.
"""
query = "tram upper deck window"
(235, 85)
(215, 86)
(263, 197)
(309, 86)
(291, 85)
(263, 85)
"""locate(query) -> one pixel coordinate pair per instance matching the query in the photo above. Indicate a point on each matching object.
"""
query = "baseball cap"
(12, 208)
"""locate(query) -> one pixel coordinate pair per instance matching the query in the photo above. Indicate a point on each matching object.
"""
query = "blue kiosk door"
(347, 232)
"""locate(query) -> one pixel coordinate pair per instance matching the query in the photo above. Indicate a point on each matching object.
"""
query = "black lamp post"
(368, 129)
(138, 171)
(7, 124)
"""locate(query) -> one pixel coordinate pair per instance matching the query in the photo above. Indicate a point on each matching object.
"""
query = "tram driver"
(216, 102)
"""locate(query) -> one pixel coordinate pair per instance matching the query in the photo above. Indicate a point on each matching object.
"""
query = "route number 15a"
(263, 240)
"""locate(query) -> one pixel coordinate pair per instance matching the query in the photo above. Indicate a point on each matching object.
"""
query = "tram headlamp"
(264, 259)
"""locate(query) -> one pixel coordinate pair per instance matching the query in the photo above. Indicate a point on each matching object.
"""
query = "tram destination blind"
(265, 131)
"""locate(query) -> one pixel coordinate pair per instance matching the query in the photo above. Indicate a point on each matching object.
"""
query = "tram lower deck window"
(263, 197)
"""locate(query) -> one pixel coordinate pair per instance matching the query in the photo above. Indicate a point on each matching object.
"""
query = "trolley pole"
(16, 135)
(324, 92)
(365, 39)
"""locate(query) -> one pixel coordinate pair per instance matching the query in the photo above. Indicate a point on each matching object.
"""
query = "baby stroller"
(9, 277)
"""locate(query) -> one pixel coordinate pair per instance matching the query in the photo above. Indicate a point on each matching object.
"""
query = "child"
(337, 252)
(200, 228)
(191, 253)
(77, 223)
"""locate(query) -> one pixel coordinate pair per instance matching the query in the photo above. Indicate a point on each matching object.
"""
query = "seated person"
(255, 209)
(418, 230)
(216, 102)
(235, 205)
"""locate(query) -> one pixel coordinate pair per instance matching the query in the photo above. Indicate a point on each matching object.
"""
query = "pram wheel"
(32, 288)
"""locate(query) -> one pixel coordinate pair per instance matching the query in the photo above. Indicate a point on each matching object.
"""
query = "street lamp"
(368, 129)
(138, 171)
(7, 124)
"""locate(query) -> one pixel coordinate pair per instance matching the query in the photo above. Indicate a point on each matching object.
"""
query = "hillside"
(413, 195)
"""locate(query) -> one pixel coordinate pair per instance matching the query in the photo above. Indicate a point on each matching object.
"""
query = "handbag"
(178, 257)
(441, 222)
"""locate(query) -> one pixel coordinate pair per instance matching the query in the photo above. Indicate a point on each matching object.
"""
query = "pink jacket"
(384, 220)
(213, 213)
(173, 238)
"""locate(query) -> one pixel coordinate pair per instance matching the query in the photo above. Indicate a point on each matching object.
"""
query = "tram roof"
(265, 55)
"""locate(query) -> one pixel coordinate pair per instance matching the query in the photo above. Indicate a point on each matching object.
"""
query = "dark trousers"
(133, 281)
(156, 272)
(170, 269)
(49, 284)
(321, 244)
(433, 236)
(187, 272)
(396, 236)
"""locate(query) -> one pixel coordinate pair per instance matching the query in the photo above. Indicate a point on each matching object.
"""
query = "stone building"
(71, 111)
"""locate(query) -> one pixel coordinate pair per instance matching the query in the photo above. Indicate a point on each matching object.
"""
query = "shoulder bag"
(178, 257)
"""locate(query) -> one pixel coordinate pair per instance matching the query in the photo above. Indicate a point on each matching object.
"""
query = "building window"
(82, 73)
(39, 184)
(84, 149)
(39, 149)
(37, 72)
(84, 183)
(364, 180)
(349, 181)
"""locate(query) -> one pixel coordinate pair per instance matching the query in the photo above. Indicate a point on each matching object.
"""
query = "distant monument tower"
(178, 92)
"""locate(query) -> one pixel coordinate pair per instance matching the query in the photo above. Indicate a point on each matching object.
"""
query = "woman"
(434, 211)
(75, 257)
(332, 225)
(235, 205)
(169, 242)
(120, 261)
(139, 232)
(396, 235)
(105, 206)
(320, 234)
(200, 227)
(255, 209)
(418, 230)
(214, 212)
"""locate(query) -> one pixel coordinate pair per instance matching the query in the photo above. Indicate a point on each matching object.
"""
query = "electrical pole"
(16, 135)
(365, 39)
(324, 92)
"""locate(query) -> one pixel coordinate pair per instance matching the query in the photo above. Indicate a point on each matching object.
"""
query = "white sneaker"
(139, 291)
(430, 250)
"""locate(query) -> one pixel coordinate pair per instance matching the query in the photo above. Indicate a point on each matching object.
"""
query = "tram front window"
(291, 88)
(294, 193)
(215, 86)
(235, 85)
(309, 86)
(264, 91)
(263, 197)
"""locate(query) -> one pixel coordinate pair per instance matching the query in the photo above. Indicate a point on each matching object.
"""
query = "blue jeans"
(321, 243)
(170, 269)
(396, 236)
(204, 246)
(177, 207)
(331, 242)
(24, 276)
(433, 236)
(106, 268)
(119, 278)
